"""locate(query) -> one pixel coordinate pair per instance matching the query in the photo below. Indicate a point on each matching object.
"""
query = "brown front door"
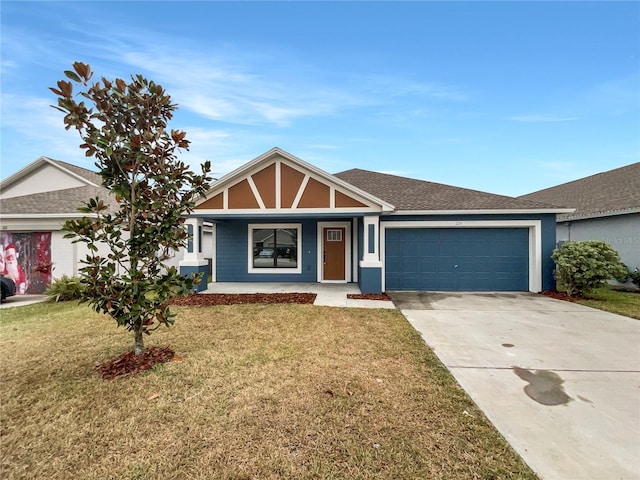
(334, 253)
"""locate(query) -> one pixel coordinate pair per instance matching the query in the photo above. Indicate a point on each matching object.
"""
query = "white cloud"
(31, 128)
(221, 89)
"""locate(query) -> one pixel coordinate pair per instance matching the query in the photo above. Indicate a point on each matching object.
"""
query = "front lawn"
(262, 392)
(615, 301)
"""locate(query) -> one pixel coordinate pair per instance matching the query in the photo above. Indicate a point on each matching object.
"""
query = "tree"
(124, 127)
(584, 266)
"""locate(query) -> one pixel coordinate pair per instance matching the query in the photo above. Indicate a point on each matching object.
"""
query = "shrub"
(64, 289)
(635, 278)
(584, 266)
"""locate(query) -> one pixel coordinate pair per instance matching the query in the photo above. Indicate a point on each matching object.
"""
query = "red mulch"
(559, 296)
(130, 363)
(209, 299)
(369, 296)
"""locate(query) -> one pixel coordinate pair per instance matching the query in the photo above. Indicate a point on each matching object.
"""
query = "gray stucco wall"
(622, 232)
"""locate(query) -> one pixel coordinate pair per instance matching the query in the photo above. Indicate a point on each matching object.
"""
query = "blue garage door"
(457, 259)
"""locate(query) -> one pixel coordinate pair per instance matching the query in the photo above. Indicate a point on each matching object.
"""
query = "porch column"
(193, 261)
(370, 264)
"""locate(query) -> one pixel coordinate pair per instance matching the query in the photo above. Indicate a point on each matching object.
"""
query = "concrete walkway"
(328, 294)
(22, 300)
(560, 381)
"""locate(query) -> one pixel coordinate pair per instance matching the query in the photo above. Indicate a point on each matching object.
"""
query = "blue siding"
(202, 269)
(548, 245)
(232, 249)
(441, 259)
(370, 280)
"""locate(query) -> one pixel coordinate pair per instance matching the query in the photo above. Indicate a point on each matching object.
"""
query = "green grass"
(262, 392)
(615, 301)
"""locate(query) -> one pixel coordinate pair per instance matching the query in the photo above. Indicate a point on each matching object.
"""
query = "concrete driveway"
(560, 381)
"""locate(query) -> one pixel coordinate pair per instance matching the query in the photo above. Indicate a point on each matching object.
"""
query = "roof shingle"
(89, 175)
(55, 202)
(608, 193)
(411, 194)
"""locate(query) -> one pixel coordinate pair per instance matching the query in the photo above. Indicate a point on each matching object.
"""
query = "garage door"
(457, 259)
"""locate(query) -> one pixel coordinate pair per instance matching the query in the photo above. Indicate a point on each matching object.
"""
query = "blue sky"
(504, 97)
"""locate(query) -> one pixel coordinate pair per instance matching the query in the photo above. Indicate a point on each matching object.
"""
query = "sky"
(503, 97)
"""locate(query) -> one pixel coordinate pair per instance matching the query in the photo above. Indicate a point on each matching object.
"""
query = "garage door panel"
(441, 259)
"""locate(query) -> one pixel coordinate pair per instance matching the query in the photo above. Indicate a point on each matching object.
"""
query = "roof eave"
(7, 182)
(12, 216)
(590, 216)
(486, 211)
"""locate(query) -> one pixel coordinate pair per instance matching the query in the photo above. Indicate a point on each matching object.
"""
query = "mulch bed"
(368, 296)
(210, 299)
(559, 296)
(129, 363)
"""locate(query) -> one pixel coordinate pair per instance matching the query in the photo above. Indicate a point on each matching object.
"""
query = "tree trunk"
(139, 339)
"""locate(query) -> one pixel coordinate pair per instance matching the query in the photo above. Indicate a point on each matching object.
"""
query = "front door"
(333, 267)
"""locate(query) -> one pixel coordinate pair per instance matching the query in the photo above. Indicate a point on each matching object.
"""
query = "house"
(607, 208)
(34, 204)
(280, 219)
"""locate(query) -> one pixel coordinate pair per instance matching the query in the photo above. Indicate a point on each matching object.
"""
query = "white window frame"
(289, 271)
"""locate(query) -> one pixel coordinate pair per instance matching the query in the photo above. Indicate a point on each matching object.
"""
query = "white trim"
(347, 250)
(252, 269)
(255, 191)
(214, 233)
(505, 211)
(535, 240)
(278, 165)
(332, 197)
(370, 264)
(196, 255)
(354, 249)
(342, 211)
(301, 189)
(369, 257)
(33, 166)
(225, 199)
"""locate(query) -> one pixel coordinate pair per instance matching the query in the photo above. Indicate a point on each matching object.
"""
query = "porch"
(328, 294)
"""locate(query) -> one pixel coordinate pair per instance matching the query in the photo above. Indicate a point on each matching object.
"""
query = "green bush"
(584, 266)
(64, 289)
(635, 278)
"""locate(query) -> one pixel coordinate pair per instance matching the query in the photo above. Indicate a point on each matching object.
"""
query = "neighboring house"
(607, 208)
(35, 202)
(280, 219)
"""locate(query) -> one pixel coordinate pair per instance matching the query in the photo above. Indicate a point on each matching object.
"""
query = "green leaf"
(151, 295)
(72, 75)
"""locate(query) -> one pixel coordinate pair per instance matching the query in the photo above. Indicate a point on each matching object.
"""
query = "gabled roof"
(411, 195)
(302, 185)
(53, 202)
(613, 192)
(86, 176)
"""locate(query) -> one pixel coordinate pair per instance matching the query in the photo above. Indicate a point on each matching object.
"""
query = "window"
(274, 248)
(334, 235)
